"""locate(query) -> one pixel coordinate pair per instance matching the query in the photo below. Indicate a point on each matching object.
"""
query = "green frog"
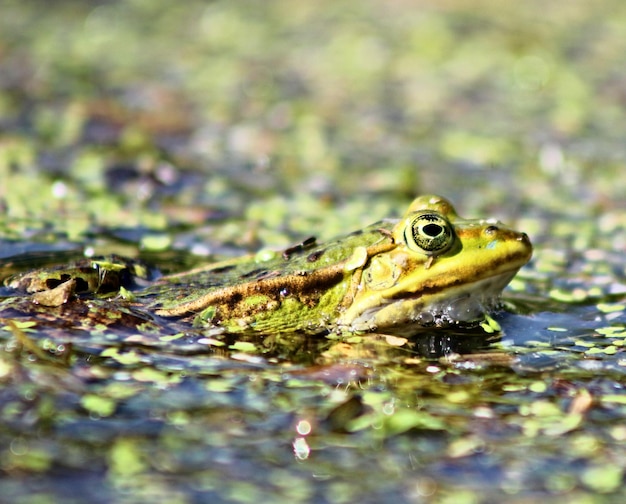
(428, 269)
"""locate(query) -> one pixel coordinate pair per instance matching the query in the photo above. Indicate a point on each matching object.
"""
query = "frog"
(428, 269)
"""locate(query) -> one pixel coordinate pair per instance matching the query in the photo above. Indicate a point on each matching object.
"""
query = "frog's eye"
(429, 233)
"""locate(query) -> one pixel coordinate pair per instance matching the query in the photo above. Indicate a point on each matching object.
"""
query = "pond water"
(181, 135)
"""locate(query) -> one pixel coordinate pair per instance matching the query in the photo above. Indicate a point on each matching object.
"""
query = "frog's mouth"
(459, 306)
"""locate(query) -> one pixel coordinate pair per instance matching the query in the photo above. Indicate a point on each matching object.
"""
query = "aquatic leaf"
(101, 406)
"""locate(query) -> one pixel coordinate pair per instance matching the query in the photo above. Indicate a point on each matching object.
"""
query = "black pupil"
(432, 230)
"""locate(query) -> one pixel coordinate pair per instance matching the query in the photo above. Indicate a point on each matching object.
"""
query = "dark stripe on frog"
(223, 269)
(307, 286)
(308, 242)
(256, 273)
(358, 232)
(315, 256)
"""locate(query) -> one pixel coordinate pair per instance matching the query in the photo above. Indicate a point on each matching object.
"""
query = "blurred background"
(304, 117)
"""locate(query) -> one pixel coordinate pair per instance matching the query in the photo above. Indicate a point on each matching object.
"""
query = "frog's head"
(443, 270)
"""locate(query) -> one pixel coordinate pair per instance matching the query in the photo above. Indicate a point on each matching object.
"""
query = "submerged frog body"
(431, 268)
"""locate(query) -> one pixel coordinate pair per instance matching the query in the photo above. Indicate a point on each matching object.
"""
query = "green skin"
(384, 278)
(299, 290)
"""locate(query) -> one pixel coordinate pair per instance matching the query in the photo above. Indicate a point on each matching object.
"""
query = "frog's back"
(297, 288)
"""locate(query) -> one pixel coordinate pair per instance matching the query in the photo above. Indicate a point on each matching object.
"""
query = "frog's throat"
(402, 316)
